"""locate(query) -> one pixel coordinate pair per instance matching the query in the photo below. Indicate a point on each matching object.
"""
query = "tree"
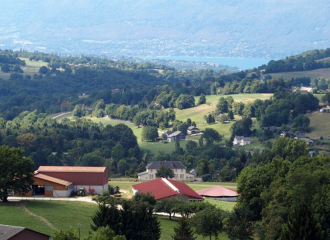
(164, 172)
(209, 118)
(185, 101)
(208, 222)
(211, 135)
(43, 70)
(301, 123)
(5, 68)
(222, 105)
(231, 115)
(202, 99)
(168, 205)
(104, 233)
(149, 133)
(239, 225)
(66, 235)
(183, 231)
(16, 172)
(300, 225)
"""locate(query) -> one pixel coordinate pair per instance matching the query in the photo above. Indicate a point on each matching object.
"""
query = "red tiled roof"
(185, 189)
(159, 188)
(218, 191)
(52, 179)
(70, 169)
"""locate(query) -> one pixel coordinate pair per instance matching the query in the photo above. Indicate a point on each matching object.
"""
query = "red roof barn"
(162, 188)
(60, 181)
(219, 193)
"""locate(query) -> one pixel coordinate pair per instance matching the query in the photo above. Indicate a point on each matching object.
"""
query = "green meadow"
(46, 216)
(195, 114)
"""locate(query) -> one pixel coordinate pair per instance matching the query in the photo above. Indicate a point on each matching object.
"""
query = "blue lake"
(244, 63)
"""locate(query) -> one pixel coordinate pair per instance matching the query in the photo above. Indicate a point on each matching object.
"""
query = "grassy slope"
(197, 113)
(319, 125)
(61, 215)
(31, 68)
(323, 72)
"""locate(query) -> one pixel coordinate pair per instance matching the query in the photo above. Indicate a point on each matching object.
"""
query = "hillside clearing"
(319, 125)
(323, 72)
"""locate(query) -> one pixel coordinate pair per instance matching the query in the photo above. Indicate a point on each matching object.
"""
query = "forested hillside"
(309, 60)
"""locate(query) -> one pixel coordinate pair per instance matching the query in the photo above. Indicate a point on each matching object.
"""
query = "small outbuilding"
(162, 188)
(20, 233)
(219, 193)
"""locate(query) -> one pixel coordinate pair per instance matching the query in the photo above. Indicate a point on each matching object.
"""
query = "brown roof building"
(60, 181)
(20, 233)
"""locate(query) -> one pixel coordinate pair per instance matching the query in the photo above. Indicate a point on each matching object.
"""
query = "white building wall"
(98, 189)
(61, 193)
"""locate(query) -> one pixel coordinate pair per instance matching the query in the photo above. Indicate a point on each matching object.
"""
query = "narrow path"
(42, 219)
(62, 114)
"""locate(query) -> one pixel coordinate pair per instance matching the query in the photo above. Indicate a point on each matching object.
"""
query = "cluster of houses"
(300, 136)
(172, 136)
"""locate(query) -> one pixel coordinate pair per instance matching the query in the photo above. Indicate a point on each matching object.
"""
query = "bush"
(207, 177)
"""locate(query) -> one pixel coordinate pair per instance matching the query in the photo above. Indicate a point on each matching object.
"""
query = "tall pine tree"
(183, 231)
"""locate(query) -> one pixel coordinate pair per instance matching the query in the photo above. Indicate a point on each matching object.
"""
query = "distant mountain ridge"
(259, 28)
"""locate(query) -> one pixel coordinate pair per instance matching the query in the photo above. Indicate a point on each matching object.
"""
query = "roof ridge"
(171, 185)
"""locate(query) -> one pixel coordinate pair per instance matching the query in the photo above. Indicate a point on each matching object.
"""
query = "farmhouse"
(162, 188)
(242, 141)
(192, 130)
(219, 193)
(176, 135)
(20, 233)
(180, 171)
(60, 181)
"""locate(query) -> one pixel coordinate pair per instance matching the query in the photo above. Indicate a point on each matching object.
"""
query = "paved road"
(42, 198)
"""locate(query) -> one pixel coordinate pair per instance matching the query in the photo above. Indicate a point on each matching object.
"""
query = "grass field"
(319, 125)
(48, 216)
(31, 68)
(323, 72)
(197, 113)
(44, 216)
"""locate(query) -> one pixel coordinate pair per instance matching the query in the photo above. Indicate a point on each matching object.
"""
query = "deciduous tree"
(15, 172)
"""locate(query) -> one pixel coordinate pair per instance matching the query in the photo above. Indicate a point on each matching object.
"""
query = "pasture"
(31, 68)
(323, 72)
(47, 216)
(319, 125)
(195, 114)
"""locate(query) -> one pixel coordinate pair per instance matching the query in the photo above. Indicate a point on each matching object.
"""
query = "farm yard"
(50, 216)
